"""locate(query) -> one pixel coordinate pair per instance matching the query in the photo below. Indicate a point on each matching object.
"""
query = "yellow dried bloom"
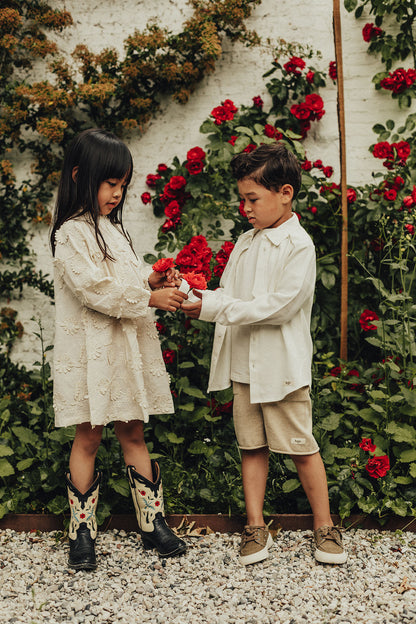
(52, 129)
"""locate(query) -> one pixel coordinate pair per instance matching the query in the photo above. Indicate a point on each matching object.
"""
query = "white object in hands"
(185, 288)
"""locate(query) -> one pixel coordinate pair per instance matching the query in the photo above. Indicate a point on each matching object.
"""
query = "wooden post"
(343, 351)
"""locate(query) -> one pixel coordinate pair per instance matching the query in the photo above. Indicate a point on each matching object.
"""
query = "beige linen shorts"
(284, 426)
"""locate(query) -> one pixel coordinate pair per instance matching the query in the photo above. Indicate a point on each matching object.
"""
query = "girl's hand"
(169, 299)
(169, 278)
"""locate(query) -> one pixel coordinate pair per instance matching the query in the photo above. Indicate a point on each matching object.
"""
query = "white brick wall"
(238, 76)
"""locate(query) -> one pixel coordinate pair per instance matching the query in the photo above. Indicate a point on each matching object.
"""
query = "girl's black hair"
(271, 165)
(97, 155)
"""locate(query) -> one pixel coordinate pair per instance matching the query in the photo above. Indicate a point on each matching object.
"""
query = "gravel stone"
(208, 585)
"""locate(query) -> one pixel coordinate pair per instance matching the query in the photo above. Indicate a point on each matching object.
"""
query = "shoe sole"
(257, 556)
(324, 557)
(82, 566)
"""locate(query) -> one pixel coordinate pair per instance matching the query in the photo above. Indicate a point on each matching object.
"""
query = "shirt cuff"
(209, 306)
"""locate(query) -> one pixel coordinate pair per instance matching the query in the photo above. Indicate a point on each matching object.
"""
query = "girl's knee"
(129, 432)
(89, 437)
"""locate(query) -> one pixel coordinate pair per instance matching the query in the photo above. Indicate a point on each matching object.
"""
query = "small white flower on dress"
(63, 364)
(70, 326)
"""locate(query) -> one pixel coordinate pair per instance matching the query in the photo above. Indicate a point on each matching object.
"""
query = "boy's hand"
(169, 299)
(169, 278)
(193, 309)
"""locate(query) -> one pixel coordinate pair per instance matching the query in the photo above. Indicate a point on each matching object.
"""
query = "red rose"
(309, 76)
(398, 182)
(163, 264)
(332, 70)
(365, 320)
(390, 194)
(173, 210)
(161, 168)
(408, 201)
(399, 80)
(250, 148)
(383, 150)
(378, 466)
(294, 65)
(177, 182)
(194, 166)
(168, 225)
(351, 195)
(196, 153)
(269, 131)
(318, 164)
(257, 101)
(151, 179)
(370, 31)
(300, 111)
(160, 327)
(336, 371)
(224, 112)
(195, 257)
(410, 228)
(306, 165)
(241, 209)
(146, 198)
(195, 280)
(402, 149)
(222, 257)
(168, 356)
(367, 445)
(233, 139)
(327, 171)
(313, 209)
(314, 102)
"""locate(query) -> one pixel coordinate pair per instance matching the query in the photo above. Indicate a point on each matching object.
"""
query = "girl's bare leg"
(131, 437)
(82, 460)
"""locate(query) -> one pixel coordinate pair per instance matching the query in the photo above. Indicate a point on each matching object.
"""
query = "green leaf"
(6, 469)
(25, 435)
(173, 438)
(25, 463)
(5, 450)
(194, 392)
(331, 422)
(290, 485)
(350, 5)
(407, 456)
(121, 486)
(412, 470)
(197, 447)
(401, 432)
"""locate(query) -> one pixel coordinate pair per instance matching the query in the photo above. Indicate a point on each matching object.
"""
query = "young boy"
(263, 346)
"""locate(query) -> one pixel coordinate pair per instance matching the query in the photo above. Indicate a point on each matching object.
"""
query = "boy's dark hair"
(99, 155)
(271, 165)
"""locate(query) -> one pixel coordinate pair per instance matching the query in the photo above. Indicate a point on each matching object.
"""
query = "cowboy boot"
(82, 525)
(148, 503)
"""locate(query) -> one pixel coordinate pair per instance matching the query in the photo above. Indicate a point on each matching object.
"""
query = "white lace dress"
(108, 363)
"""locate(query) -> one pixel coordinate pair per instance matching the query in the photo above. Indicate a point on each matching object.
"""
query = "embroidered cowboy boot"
(82, 525)
(148, 503)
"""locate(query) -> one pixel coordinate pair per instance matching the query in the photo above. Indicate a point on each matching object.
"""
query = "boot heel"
(147, 544)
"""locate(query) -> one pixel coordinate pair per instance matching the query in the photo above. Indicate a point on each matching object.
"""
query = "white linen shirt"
(278, 314)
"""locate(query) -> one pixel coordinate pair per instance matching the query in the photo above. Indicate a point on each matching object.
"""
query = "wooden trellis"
(343, 350)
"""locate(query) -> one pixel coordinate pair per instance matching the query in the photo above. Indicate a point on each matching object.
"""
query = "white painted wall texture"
(238, 76)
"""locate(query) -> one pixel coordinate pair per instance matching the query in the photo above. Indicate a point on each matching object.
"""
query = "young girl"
(108, 364)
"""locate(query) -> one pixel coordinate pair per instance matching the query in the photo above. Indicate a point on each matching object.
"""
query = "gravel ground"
(377, 585)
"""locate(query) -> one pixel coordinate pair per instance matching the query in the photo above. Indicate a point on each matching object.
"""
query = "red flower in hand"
(367, 445)
(163, 265)
(195, 280)
(378, 466)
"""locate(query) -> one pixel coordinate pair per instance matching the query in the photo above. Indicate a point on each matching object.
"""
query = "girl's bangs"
(117, 163)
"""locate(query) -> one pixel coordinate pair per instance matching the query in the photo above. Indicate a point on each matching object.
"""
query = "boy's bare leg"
(312, 475)
(82, 460)
(254, 468)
